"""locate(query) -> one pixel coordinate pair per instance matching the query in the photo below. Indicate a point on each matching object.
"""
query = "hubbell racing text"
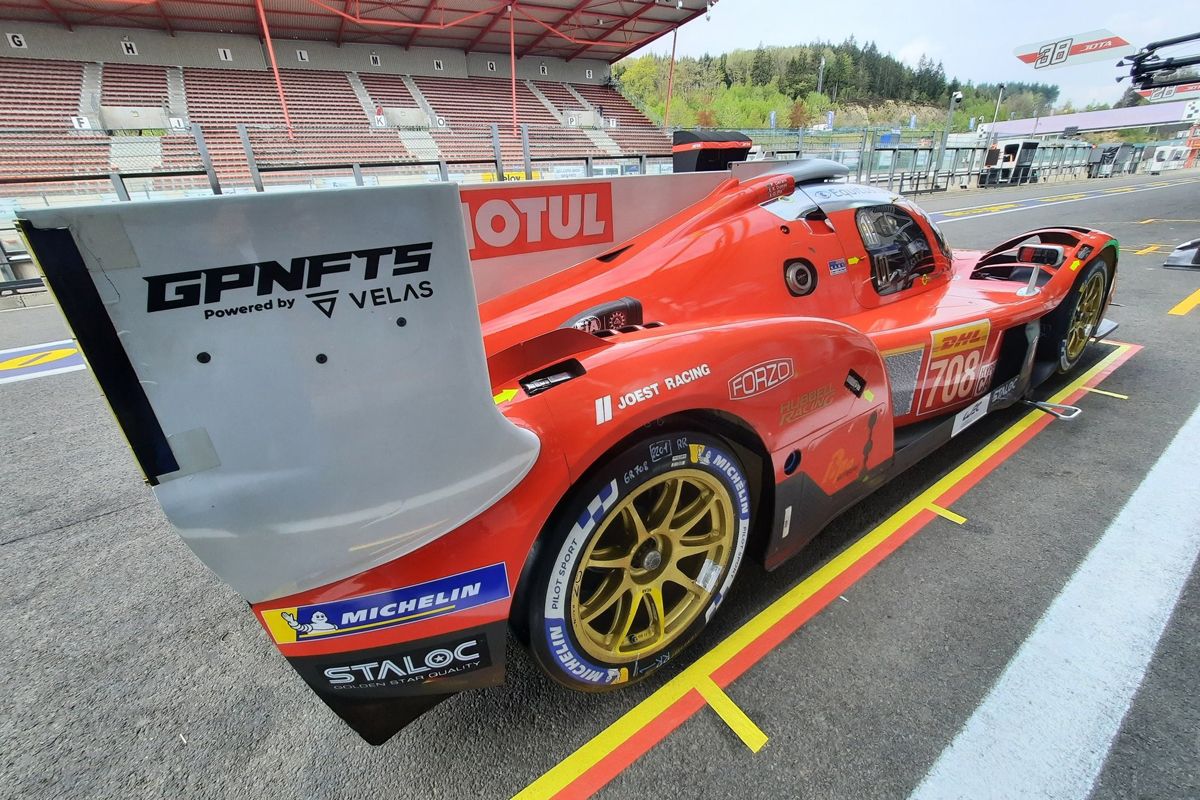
(205, 287)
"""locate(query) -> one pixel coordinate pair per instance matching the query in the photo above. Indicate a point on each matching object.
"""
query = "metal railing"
(52, 167)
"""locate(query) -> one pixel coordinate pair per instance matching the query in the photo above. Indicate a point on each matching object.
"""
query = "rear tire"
(640, 557)
(1067, 329)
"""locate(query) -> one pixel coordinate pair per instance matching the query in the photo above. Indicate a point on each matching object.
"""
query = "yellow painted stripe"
(750, 734)
(947, 513)
(562, 774)
(37, 359)
(1105, 393)
(1147, 250)
(1190, 302)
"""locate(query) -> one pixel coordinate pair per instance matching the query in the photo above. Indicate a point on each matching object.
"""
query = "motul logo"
(529, 219)
(761, 378)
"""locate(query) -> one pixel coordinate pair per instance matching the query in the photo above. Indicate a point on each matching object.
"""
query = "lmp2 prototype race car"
(403, 421)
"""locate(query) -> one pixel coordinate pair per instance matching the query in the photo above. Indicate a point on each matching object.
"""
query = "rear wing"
(301, 376)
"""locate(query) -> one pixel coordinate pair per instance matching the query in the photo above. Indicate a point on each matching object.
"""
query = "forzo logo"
(413, 666)
(530, 219)
(761, 378)
(209, 286)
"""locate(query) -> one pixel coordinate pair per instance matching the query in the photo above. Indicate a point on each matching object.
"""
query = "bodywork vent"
(902, 369)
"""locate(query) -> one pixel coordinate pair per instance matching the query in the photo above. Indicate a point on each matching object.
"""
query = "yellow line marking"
(1105, 393)
(750, 734)
(1150, 248)
(1156, 219)
(947, 513)
(37, 359)
(1187, 304)
(591, 753)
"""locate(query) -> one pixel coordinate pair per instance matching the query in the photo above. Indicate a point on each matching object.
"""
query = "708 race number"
(956, 370)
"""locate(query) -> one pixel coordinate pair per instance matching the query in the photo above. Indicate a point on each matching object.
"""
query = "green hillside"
(862, 85)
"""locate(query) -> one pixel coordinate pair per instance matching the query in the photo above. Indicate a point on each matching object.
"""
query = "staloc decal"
(262, 285)
(386, 609)
(412, 665)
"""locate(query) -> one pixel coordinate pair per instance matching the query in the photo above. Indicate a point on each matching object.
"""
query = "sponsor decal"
(848, 192)
(536, 218)
(956, 370)
(604, 405)
(799, 407)
(969, 415)
(260, 286)
(373, 612)
(603, 409)
(1005, 390)
(837, 266)
(413, 665)
(841, 467)
(761, 378)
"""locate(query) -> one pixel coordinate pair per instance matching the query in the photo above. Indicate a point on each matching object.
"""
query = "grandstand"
(81, 101)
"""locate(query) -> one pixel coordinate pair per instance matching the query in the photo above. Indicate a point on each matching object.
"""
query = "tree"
(799, 116)
(798, 79)
(1130, 99)
(762, 69)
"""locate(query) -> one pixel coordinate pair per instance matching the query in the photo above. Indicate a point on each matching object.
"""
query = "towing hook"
(1056, 410)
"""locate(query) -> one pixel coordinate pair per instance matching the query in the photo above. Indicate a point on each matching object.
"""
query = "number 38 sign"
(1078, 49)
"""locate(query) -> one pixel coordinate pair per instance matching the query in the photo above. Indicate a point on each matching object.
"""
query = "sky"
(974, 39)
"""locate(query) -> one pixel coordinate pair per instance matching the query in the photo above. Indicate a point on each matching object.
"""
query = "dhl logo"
(961, 338)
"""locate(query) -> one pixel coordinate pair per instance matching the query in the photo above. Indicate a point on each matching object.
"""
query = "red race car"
(401, 421)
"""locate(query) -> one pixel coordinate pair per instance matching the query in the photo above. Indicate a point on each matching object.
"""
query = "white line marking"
(36, 347)
(31, 375)
(1040, 205)
(1045, 728)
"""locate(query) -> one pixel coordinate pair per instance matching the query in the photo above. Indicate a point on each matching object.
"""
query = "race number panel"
(957, 369)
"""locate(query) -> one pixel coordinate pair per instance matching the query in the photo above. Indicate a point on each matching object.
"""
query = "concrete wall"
(201, 50)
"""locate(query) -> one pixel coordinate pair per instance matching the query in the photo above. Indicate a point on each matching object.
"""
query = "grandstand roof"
(600, 29)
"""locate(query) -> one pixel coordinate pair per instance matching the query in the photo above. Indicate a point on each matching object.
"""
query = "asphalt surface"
(130, 671)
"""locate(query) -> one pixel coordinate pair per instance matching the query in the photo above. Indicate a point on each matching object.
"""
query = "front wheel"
(1067, 329)
(641, 556)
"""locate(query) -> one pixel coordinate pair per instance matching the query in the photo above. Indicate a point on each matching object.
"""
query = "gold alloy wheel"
(1086, 316)
(648, 572)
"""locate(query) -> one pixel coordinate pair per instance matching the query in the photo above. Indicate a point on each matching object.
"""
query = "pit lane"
(131, 671)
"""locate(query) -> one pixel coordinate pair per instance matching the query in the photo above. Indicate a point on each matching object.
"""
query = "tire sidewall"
(1062, 322)
(552, 639)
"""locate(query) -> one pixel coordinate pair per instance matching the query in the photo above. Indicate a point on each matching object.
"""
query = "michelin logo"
(320, 623)
(394, 607)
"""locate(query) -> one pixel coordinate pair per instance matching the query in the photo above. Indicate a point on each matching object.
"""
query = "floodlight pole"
(262, 18)
(994, 138)
(512, 56)
(670, 80)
